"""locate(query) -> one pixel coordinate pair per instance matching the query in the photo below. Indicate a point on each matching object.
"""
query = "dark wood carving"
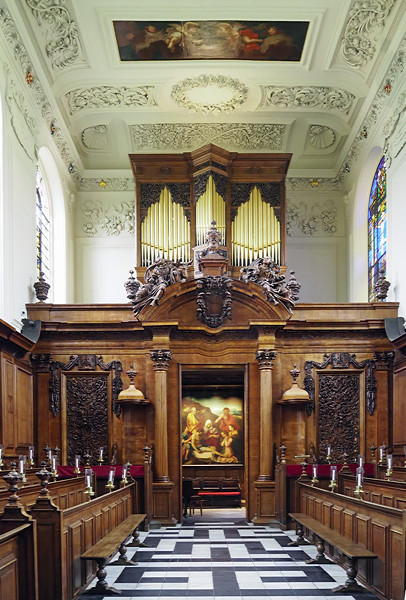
(213, 300)
(266, 273)
(83, 362)
(342, 360)
(151, 192)
(270, 193)
(86, 415)
(200, 183)
(339, 414)
(158, 276)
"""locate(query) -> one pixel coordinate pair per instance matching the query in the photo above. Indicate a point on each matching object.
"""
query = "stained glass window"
(377, 228)
(43, 229)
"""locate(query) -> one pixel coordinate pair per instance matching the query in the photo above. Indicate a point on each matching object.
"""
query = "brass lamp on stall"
(293, 404)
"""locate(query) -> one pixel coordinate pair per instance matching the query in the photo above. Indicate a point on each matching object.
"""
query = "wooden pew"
(380, 529)
(65, 493)
(380, 491)
(103, 550)
(17, 563)
(64, 535)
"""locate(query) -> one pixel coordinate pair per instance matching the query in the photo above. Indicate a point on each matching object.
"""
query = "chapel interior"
(202, 282)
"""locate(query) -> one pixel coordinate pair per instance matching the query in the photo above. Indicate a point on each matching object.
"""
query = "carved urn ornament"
(295, 394)
(382, 286)
(131, 395)
(41, 288)
(132, 286)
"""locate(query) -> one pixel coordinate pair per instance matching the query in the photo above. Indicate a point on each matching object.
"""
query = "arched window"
(43, 225)
(377, 228)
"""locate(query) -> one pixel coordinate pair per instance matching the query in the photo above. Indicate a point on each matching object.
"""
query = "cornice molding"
(113, 184)
(62, 43)
(22, 60)
(380, 102)
(316, 184)
(366, 20)
(190, 136)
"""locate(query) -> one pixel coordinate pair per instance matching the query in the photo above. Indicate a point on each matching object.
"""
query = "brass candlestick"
(304, 464)
(359, 492)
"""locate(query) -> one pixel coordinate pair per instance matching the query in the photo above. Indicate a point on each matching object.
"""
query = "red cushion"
(219, 494)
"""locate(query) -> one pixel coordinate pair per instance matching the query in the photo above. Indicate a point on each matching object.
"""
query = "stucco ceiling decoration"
(326, 98)
(107, 97)
(210, 94)
(62, 47)
(185, 137)
(321, 136)
(366, 20)
(96, 137)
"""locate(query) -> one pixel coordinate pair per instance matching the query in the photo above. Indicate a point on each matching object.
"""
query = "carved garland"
(83, 362)
(270, 193)
(151, 192)
(341, 360)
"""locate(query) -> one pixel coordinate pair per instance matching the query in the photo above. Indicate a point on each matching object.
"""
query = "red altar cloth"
(101, 471)
(324, 470)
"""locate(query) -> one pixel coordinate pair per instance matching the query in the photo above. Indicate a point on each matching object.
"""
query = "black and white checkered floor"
(220, 556)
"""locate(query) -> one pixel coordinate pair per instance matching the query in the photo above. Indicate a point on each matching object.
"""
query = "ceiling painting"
(219, 40)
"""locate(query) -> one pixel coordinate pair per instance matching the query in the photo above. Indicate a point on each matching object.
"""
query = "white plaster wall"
(102, 267)
(396, 261)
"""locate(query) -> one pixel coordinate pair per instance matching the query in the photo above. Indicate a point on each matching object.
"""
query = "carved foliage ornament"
(326, 98)
(158, 276)
(213, 300)
(106, 96)
(240, 193)
(161, 358)
(266, 273)
(265, 358)
(111, 219)
(366, 20)
(237, 91)
(310, 217)
(339, 414)
(62, 38)
(86, 415)
(342, 360)
(200, 184)
(186, 137)
(151, 192)
(83, 362)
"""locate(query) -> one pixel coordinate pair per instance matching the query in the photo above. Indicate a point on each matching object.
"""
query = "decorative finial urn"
(382, 286)
(41, 288)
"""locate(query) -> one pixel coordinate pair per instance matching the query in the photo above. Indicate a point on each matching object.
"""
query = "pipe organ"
(179, 195)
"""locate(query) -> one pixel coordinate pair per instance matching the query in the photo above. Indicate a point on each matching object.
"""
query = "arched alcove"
(53, 184)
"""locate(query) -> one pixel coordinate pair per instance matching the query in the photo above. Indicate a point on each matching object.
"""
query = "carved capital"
(384, 360)
(161, 359)
(42, 362)
(265, 358)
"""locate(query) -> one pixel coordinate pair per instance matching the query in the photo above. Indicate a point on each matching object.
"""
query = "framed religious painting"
(212, 424)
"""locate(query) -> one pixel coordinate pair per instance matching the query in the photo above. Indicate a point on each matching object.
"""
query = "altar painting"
(212, 429)
(218, 40)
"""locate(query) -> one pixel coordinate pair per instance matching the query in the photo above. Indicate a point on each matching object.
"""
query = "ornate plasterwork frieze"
(321, 184)
(21, 58)
(190, 136)
(311, 218)
(237, 91)
(366, 20)
(326, 98)
(107, 96)
(394, 131)
(24, 125)
(62, 47)
(113, 184)
(112, 219)
(394, 77)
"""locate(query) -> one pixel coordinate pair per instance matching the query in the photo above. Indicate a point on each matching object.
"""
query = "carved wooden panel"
(86, 415)
(339, 420)
(8, 405)
(24, 394)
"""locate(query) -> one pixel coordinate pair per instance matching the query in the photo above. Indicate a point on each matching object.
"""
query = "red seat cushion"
(219, 494)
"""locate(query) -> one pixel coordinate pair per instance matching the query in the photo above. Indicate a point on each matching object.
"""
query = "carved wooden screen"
(339, 414)
(87, 422)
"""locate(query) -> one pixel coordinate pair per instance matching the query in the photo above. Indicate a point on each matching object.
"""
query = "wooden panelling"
(9, 405)
(379, 528)
(18, 563)
(24, 403)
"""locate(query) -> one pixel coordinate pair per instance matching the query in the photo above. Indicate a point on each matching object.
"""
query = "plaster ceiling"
(312, 107)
